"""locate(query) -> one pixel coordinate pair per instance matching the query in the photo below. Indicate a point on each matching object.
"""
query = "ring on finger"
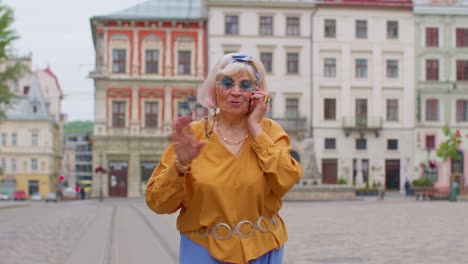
(267, 99)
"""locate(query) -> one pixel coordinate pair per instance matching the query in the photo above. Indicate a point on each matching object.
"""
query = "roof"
(160, 9)
(441, 7)
(49, 72)
(22, 107)
(363, 3)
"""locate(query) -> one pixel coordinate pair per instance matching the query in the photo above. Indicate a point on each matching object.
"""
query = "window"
(118, 114)
(13, 139)
(231, 25)
(462, 110)
(34, 139)
(330, 28)
(151, 114)
(292, 108)
(361, 68)
(267, 60)
(292, 26)
(432, 70)
(361, 29)
(152, 61)
(392, 110)
(33, 164)
(392, 69)
(462, 37)
(392, 144)
(184, 62)
(361, 144)
(432, 37)
(392, 29)
(430, 142)
(183, 108)
(329, 109)
(266, 26)
(4, 139)
(329, 67)
(293, 63)
(462, 70)
(118, 61)
(432, 110)
(330, 143)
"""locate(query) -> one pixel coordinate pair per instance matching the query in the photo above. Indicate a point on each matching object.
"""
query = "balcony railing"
(293, 124)
(362, 124)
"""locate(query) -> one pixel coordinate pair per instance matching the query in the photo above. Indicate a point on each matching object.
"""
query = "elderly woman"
(228, 172)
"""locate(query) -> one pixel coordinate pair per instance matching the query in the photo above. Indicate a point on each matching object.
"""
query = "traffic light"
(62, 178)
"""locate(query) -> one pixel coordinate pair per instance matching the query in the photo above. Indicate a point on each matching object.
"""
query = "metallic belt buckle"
(239, 225)
(215, 229)
(260, 224)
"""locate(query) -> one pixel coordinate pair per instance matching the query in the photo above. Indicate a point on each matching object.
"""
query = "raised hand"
(185, 145)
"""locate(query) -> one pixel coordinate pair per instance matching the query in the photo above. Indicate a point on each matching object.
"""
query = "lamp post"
(100, 170)
(192, 103)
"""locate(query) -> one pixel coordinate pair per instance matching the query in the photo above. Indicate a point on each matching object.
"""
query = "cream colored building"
(363, 92)
(279, 34)
(30, 150)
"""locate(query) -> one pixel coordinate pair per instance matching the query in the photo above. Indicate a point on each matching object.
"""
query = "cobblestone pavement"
(395, 230)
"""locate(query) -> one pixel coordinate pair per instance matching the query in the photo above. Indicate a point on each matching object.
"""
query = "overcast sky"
(58, 34)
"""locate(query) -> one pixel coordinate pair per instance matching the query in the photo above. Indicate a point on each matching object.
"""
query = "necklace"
(231, 142)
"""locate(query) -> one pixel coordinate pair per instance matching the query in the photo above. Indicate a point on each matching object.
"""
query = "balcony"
(362, 125)
(298, 124)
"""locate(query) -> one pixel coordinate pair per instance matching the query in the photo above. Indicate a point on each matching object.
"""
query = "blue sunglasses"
(245, 85)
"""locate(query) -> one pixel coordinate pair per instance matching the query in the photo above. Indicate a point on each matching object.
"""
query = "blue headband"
(249, 60)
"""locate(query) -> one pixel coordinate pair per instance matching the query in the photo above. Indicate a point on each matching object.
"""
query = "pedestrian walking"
(227, 173)
(407, 187)
(380, 191)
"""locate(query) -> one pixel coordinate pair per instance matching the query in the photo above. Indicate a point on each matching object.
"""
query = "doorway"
(392, 174)
(329, 171)
(118, 178)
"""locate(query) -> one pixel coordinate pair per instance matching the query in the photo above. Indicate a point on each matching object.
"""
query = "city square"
(122, 230)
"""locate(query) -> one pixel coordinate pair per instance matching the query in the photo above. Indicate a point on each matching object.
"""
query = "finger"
(179, 124)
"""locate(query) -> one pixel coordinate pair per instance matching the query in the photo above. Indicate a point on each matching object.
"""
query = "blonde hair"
(227, 65)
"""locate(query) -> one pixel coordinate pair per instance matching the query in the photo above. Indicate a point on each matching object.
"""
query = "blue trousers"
(192, 253)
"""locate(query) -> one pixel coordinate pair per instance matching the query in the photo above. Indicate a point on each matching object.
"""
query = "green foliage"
(78, 127)
(448, 148)
(342, 181)
(422, 182)
(13, 67)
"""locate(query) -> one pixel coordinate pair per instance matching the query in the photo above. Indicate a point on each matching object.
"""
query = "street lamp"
(192, 103)
(100, 170)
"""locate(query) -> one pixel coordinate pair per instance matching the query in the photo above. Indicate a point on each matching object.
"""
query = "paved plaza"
(118, 231)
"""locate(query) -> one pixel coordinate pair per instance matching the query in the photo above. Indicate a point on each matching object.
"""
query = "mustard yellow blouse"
(222, 187)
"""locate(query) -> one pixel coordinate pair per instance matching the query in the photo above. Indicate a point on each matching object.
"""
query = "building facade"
(279, 34)
(150, 60)
(441, 45)
(363, 91)
(30, 151)
(79, 159)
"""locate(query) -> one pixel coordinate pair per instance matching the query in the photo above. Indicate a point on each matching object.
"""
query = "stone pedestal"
(320, 193)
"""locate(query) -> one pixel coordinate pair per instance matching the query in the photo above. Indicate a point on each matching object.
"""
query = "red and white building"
(150, 59)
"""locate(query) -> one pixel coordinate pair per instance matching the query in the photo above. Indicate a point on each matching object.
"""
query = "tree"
(449, 148)
(11, 67)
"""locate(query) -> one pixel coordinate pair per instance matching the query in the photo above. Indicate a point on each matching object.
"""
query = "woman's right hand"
(185, 145)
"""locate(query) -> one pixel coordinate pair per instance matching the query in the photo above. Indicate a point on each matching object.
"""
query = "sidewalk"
(14, 204)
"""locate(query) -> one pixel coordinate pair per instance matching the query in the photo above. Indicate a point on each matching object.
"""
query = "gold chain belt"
(260, 225)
